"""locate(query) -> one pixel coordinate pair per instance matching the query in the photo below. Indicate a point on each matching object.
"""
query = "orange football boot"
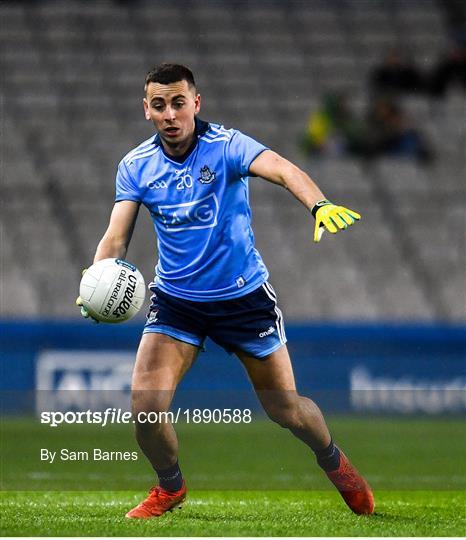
(158, 502)
(355, 491)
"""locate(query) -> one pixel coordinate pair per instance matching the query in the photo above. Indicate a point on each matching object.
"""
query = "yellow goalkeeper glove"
(331, 217)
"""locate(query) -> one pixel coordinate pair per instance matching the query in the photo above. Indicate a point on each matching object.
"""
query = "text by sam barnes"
(96, 454)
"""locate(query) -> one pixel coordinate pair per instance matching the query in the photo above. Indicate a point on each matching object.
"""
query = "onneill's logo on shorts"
(270, 330)
(200, 214)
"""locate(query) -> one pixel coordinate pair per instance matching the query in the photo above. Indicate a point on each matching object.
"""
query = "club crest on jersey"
(207, 176)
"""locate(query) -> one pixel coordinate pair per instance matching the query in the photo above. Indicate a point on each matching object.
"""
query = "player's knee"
(149, 410)
(286, 416)
(149, 421)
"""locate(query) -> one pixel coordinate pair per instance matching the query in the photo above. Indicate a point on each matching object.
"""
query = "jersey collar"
(200, 128)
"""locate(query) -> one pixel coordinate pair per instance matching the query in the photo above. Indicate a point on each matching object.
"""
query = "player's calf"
(304, 419)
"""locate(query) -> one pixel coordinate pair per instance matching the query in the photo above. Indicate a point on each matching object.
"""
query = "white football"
(112, 290)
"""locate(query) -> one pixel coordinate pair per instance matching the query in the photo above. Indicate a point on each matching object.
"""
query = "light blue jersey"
(201, 213)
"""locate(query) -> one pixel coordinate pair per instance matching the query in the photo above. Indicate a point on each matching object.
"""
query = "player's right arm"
(115, 241)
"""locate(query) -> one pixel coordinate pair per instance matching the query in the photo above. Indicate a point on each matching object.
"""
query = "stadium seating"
(72, 90)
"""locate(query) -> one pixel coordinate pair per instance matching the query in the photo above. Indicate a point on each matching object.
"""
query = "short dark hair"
(170, 73)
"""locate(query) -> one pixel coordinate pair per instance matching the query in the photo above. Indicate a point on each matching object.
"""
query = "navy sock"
(170, 479)
(328, 458)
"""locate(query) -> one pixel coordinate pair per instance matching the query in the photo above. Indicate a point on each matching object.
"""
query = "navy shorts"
(252, 323)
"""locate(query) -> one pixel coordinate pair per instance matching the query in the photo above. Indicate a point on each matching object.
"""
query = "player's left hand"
(331, 217)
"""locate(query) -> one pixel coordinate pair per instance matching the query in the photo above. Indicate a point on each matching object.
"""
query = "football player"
(210, 281)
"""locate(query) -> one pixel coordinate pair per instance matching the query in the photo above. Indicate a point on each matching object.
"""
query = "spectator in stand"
(449, 70)
(334, 129)
(396, 75)
(392, 134)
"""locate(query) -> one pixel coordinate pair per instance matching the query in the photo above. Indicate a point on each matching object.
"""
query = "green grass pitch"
(245, 480)
(232, 513)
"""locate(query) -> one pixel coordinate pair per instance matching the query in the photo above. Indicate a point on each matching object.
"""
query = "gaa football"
(112, 290)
